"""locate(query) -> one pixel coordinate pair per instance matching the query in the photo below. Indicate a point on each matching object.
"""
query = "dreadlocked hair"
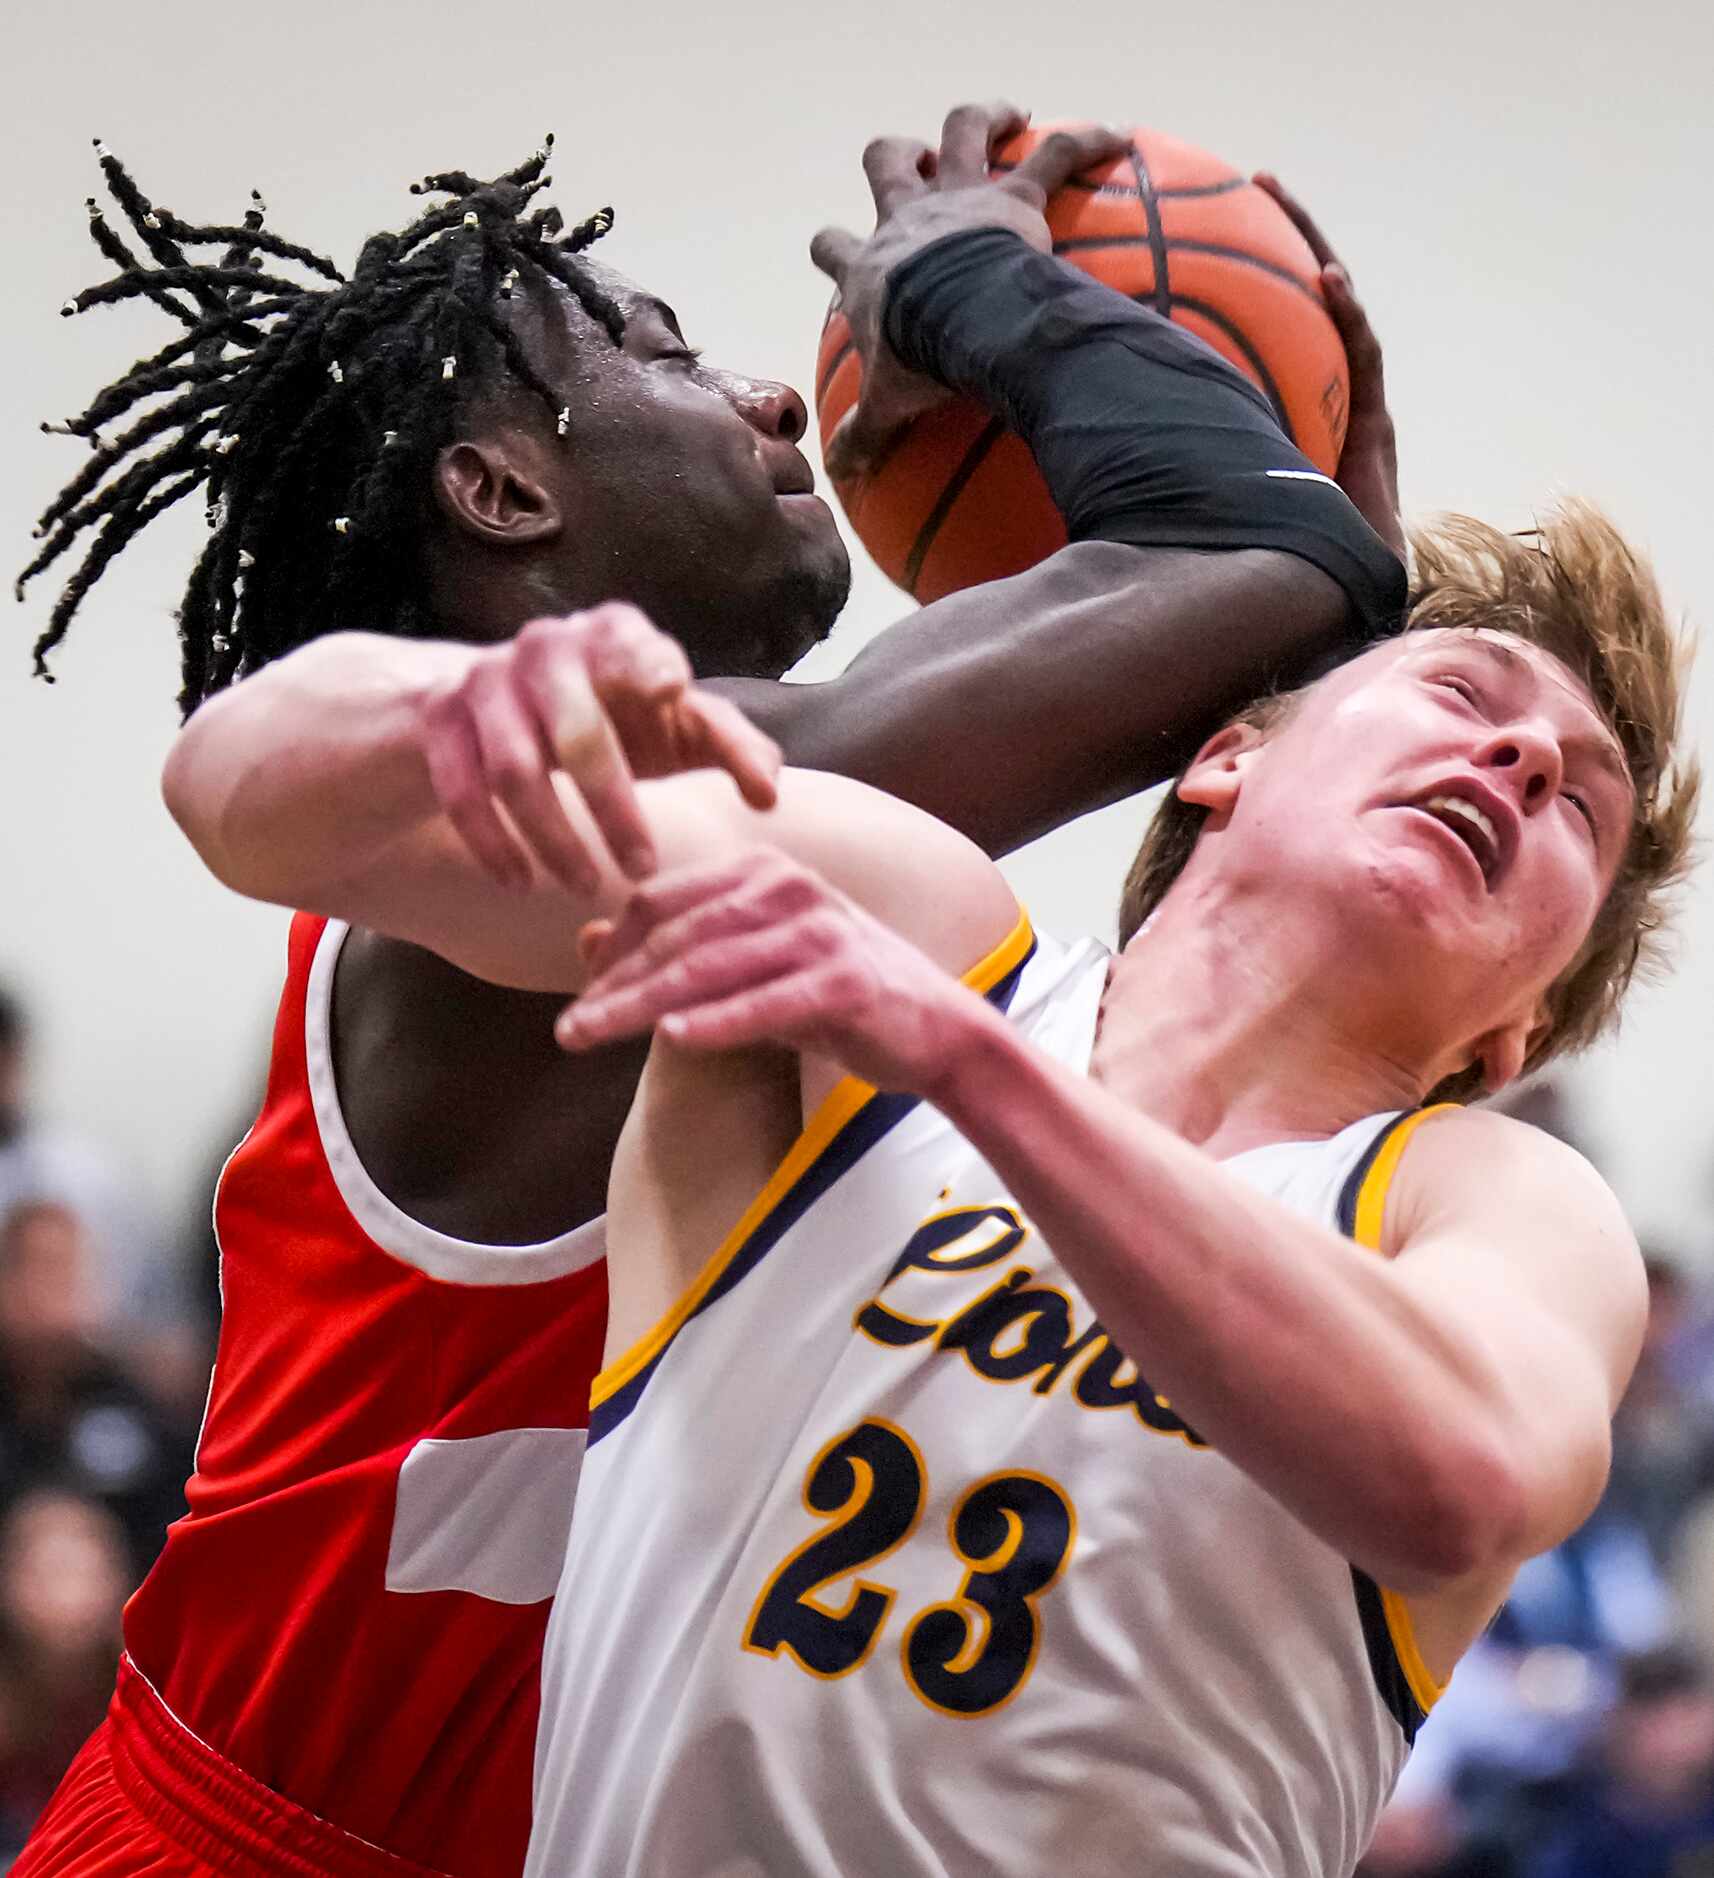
(311, 412)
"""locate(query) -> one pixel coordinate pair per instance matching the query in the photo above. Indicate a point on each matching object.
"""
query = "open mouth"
(1470, 824)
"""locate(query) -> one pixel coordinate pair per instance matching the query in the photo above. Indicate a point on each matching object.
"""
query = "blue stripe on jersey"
(1388, 1671)
(876, 1119)
(1352, 1191)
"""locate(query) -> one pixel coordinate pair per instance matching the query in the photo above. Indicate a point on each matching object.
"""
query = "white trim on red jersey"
(435, 1254)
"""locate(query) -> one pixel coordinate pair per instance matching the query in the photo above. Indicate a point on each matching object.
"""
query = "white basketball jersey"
(886, 1562)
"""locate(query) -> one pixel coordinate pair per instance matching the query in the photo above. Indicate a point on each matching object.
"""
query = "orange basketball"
(959, 500)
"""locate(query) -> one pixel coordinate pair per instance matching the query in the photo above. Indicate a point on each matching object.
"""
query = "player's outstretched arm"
(1436, 1416)
(1439, 1415)
(487, 802)
(1193, 580)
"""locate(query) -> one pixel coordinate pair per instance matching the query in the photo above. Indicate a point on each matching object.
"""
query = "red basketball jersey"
(353, 1609)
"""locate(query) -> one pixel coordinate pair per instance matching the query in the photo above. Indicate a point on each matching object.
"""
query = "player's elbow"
(1465, 1513)
(188, 787)
(200, 784)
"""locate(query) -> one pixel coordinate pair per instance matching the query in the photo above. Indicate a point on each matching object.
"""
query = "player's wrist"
(929, 295)
(1141, 432)
(972, 1061)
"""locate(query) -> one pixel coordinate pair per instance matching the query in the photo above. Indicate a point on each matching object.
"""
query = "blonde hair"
(1574, 587)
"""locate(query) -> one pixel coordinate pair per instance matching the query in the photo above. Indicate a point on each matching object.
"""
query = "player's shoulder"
(820, 814)
(863, 813)
(1479, 1163)
(1496, 1142)
(910, 869)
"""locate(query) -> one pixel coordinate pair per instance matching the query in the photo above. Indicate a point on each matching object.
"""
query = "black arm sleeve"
(1143, 434)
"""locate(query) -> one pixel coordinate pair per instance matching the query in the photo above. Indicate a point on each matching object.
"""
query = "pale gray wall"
(1521, 191)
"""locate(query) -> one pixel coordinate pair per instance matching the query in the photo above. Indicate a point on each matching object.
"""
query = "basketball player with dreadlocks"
(334, 1665)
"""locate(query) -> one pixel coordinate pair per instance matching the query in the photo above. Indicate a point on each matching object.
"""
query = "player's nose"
(772, 408)
(1525, 757)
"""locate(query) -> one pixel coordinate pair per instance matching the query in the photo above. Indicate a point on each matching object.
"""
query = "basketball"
(959, 499)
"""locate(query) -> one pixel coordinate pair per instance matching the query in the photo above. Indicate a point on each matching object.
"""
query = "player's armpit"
(1523, 1263)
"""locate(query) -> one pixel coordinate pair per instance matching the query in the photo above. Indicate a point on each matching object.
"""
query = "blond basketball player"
(1089, 1440)
(1076, 1417)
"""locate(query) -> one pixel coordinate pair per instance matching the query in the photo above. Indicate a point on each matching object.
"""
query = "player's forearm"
(1085, 680)
(304, 772)
(1142, 433)
(1293, 1352)
(1209, 562)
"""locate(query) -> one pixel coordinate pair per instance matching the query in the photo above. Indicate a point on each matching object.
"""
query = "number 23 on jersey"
(1012, 1532)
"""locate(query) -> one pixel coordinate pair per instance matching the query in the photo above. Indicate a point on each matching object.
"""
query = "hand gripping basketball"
(1369, 461)
(921, 195)
(593, 701)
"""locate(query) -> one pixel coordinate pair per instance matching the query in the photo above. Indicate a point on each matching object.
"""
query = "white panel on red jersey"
(488, 1515)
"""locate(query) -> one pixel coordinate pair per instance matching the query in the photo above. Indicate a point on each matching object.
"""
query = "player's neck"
(1233, 1022)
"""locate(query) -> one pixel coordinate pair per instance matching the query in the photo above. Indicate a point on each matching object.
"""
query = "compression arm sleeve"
(1143, 434)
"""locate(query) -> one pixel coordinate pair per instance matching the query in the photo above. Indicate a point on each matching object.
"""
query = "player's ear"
(1504, 1050)
(497, 490)
(1216, 772)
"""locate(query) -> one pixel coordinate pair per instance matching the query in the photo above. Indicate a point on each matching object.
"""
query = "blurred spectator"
(137, 1291)
(1648, 1809)
(1428, 1836)
(68, 1414)
(1663, 1435)
(1577, 1737)
(64, 1575)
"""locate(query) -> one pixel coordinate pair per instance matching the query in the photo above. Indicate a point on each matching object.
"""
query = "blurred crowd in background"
(1576, 1740)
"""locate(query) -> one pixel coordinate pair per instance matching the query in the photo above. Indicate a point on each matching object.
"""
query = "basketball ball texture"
(959, 500)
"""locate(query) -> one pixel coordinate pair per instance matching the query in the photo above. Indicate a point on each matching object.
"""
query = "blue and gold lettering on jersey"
(882, 1578)
(1012, 1329)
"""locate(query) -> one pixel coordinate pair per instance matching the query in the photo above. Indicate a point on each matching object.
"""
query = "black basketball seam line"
(1156, 233)
(955, 487)
(1179, 244)
(834, 364)
(1186, 190)
(1176, 194)
(1270, 390)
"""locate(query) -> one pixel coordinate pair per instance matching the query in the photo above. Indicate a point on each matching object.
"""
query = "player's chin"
(811, 528)
(812, 591)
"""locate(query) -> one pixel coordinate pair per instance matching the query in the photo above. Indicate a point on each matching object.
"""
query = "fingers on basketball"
(1061, 155)
(1300, 218)
(954, 499)
(971, 135)
(1362, 348)
(893, 166)
(833, 250)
